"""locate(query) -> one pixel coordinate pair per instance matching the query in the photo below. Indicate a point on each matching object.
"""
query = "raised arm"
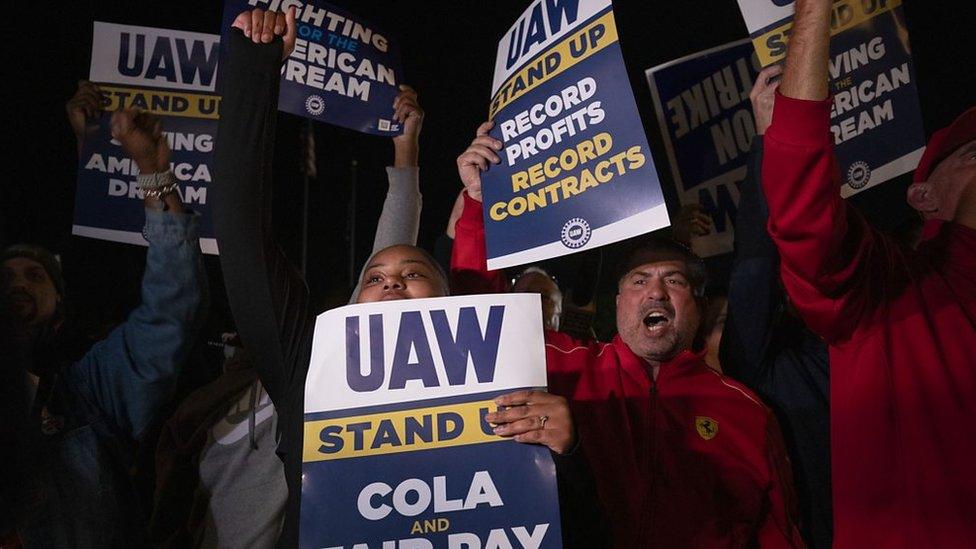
(399, 222)
(754, 295)
(832, 262)
(268, 297)
(469, 258)
(132, 373)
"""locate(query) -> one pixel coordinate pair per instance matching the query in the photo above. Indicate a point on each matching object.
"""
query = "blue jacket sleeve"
(754, 292)
(131, 373)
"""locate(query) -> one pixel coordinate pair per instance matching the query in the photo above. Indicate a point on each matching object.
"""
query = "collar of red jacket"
(639, 368)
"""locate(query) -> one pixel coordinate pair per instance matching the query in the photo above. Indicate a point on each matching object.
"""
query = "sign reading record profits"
(576, 172)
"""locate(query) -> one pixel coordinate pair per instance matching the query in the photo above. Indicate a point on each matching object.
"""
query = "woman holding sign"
(268, 297)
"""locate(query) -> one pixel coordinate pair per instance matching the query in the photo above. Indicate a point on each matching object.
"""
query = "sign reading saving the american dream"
(168, 73)
(702, 104)
(576, 172)
(344, 70)
(875, 116)
(397, 452)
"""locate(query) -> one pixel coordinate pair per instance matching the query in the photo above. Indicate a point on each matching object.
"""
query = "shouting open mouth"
(656, 321)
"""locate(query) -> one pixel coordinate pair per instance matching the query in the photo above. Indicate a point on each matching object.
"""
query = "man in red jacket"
(682, 456)
(901, 324)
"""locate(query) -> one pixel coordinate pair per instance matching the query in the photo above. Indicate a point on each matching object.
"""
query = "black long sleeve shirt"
(268, 297)
(771, 351)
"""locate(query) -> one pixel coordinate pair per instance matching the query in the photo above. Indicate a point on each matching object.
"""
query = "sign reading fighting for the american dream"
(576, 172)
(397, 452)
(702, 104)
(875, 117)
(343, 71)
(168, 73)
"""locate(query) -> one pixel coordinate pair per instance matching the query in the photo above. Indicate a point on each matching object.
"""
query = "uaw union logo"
(576, 233)
(858, 174)
(707, 427)
(315, 105)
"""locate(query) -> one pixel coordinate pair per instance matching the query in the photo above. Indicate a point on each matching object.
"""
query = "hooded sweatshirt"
(901, 325)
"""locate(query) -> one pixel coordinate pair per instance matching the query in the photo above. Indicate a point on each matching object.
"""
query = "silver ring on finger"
(543, 420)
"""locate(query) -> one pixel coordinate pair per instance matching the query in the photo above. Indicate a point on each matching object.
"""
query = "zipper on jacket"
(647, 518)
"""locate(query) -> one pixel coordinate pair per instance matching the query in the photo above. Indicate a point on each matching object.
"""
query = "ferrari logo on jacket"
(707, 427)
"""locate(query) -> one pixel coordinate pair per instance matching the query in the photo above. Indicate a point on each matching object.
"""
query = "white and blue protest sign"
(166, 72)
(576, 172)
(343, 71)
(396, 450)
(702, 104)
(875, 118)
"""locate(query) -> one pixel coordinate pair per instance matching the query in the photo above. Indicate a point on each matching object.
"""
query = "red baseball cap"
(945, 142)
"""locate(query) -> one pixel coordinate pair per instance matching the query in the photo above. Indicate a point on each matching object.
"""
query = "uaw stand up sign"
(875, 117)
(397, 453)
(171, 74)
(576, 172)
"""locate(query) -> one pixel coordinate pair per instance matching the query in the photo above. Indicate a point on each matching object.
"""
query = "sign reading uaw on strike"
(168, 73)
(575, 172)
(875, 117)
(702, 104)
(397, 453)
(343, 71)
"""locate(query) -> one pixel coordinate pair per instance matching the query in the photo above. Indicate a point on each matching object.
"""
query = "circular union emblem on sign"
(576, 233)
(858, 174)
(315, 105)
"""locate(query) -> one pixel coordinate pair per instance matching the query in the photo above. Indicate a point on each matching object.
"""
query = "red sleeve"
(780, 525)
(469, 258)
(829, 253)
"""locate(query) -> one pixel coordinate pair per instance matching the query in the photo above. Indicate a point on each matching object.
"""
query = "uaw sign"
(702, 104)
(344, 70)
(875, 117)
(576, 172)
(396, 449)
(171, 74)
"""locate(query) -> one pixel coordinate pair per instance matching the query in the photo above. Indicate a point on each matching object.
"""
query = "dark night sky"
(448, 50)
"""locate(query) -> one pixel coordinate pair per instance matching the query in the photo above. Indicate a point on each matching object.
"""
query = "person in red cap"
(900, 323)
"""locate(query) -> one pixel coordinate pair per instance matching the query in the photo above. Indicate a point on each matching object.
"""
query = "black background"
(448, 50)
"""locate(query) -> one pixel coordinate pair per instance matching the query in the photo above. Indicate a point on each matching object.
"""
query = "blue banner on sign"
(483, 492)
(108, 204)
(702, 103)
(876, 119)
(344, 70)
(576, 171)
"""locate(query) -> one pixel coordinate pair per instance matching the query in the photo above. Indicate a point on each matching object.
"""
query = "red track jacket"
(902, 331)
(692, 459)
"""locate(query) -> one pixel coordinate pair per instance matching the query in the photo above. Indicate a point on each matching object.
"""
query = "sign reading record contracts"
(397, 453)
(576, 172)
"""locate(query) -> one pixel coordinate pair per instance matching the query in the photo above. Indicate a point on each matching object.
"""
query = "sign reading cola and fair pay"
(396, 449)
(576, 172)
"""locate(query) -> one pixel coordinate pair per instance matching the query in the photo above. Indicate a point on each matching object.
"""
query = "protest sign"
(344, 70)
(396, 448)
(702, 104)
(875, 117)
(576, 172)
(166, 72)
